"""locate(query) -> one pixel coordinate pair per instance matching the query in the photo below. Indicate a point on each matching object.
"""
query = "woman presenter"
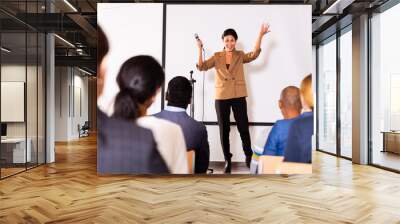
(230, 88)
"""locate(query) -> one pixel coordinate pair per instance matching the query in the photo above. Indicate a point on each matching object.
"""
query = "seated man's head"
(179, 92)
(290, 103)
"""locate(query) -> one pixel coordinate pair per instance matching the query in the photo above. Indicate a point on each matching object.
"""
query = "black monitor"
(3, 129)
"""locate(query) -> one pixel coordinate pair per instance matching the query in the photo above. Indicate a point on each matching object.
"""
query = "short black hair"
(290, 98)
(179, 92)
(231, 32)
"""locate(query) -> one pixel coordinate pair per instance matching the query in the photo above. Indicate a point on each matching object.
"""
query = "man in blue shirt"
(299, 144)
(290, 106)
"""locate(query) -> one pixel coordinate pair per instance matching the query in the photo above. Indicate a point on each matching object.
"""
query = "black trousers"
(239, 108)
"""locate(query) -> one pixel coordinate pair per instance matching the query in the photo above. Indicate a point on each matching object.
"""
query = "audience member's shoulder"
(302, 119)
(165, 124)
(201, 126)
(197, 124)
(282, 123)
(113, 126)
(159, 114)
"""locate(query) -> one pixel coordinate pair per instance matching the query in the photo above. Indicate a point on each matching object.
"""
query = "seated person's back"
(122, 146)
(290, 106)
(195, 136)
(126, 148)
(140, 79)
(170, 142)
(179, 94)
(298, 148)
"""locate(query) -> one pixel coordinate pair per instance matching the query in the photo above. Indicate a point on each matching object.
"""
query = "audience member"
(122, 147)
(179, 95)
(290, 106)
(298, 148)
(139, 80)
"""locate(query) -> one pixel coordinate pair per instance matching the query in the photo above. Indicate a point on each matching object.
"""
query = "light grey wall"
(71, 102)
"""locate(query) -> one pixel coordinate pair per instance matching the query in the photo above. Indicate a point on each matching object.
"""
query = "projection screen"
(285, 58)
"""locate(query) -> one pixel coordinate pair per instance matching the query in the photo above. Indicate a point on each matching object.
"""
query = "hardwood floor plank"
(70, 191)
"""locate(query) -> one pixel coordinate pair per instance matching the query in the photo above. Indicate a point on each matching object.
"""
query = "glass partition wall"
(327, 96)
(345, 92)
(334, 102)
(385, 89)
(22, 78)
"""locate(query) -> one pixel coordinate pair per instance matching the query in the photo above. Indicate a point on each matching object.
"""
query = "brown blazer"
(229, 83)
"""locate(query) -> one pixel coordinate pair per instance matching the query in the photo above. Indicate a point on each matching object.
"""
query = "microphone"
(196, 36)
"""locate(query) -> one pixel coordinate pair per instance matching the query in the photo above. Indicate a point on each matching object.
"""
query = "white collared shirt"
(174, 109)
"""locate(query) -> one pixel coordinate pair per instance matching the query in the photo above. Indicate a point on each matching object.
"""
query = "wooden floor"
(5, 172)
(386, 159)
(69, 191)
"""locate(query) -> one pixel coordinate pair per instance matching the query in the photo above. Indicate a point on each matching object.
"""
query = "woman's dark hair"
(102, 45)
(179, 92)
(138, 80)
(231, 32)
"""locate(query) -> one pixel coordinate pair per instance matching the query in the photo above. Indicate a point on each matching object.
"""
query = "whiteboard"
(132, 29)
(286, 56)
(12, 101)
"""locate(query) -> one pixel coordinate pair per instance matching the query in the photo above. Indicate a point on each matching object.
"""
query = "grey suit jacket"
(125, 148)
(195, 137)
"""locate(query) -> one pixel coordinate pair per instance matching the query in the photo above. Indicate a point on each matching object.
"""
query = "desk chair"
(84, 130)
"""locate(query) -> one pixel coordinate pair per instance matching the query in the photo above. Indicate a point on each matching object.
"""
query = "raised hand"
(265, 28)
(199, 44)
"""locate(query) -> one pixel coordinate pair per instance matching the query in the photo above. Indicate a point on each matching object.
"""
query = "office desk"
(391, 141)
(13, 150)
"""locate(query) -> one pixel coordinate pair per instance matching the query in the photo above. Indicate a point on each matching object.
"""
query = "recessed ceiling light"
(84, 71)
(64, 40)
(70, 5)
(5, 50)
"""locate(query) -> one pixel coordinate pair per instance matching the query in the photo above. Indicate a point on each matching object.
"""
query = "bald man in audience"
(290, 106)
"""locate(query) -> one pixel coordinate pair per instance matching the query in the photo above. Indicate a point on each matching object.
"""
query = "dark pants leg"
(223, 109)
(239, 108)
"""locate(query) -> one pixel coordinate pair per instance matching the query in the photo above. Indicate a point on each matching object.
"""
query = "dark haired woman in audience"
(117, 151)
(140, 79)
(230, 89)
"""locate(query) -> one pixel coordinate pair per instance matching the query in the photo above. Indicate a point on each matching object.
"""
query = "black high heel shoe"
(248, 161)
(228, 166)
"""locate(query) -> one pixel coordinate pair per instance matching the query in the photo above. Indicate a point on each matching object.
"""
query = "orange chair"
(269, 164)
(275, 165)
(190, 159)
(296, 168)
